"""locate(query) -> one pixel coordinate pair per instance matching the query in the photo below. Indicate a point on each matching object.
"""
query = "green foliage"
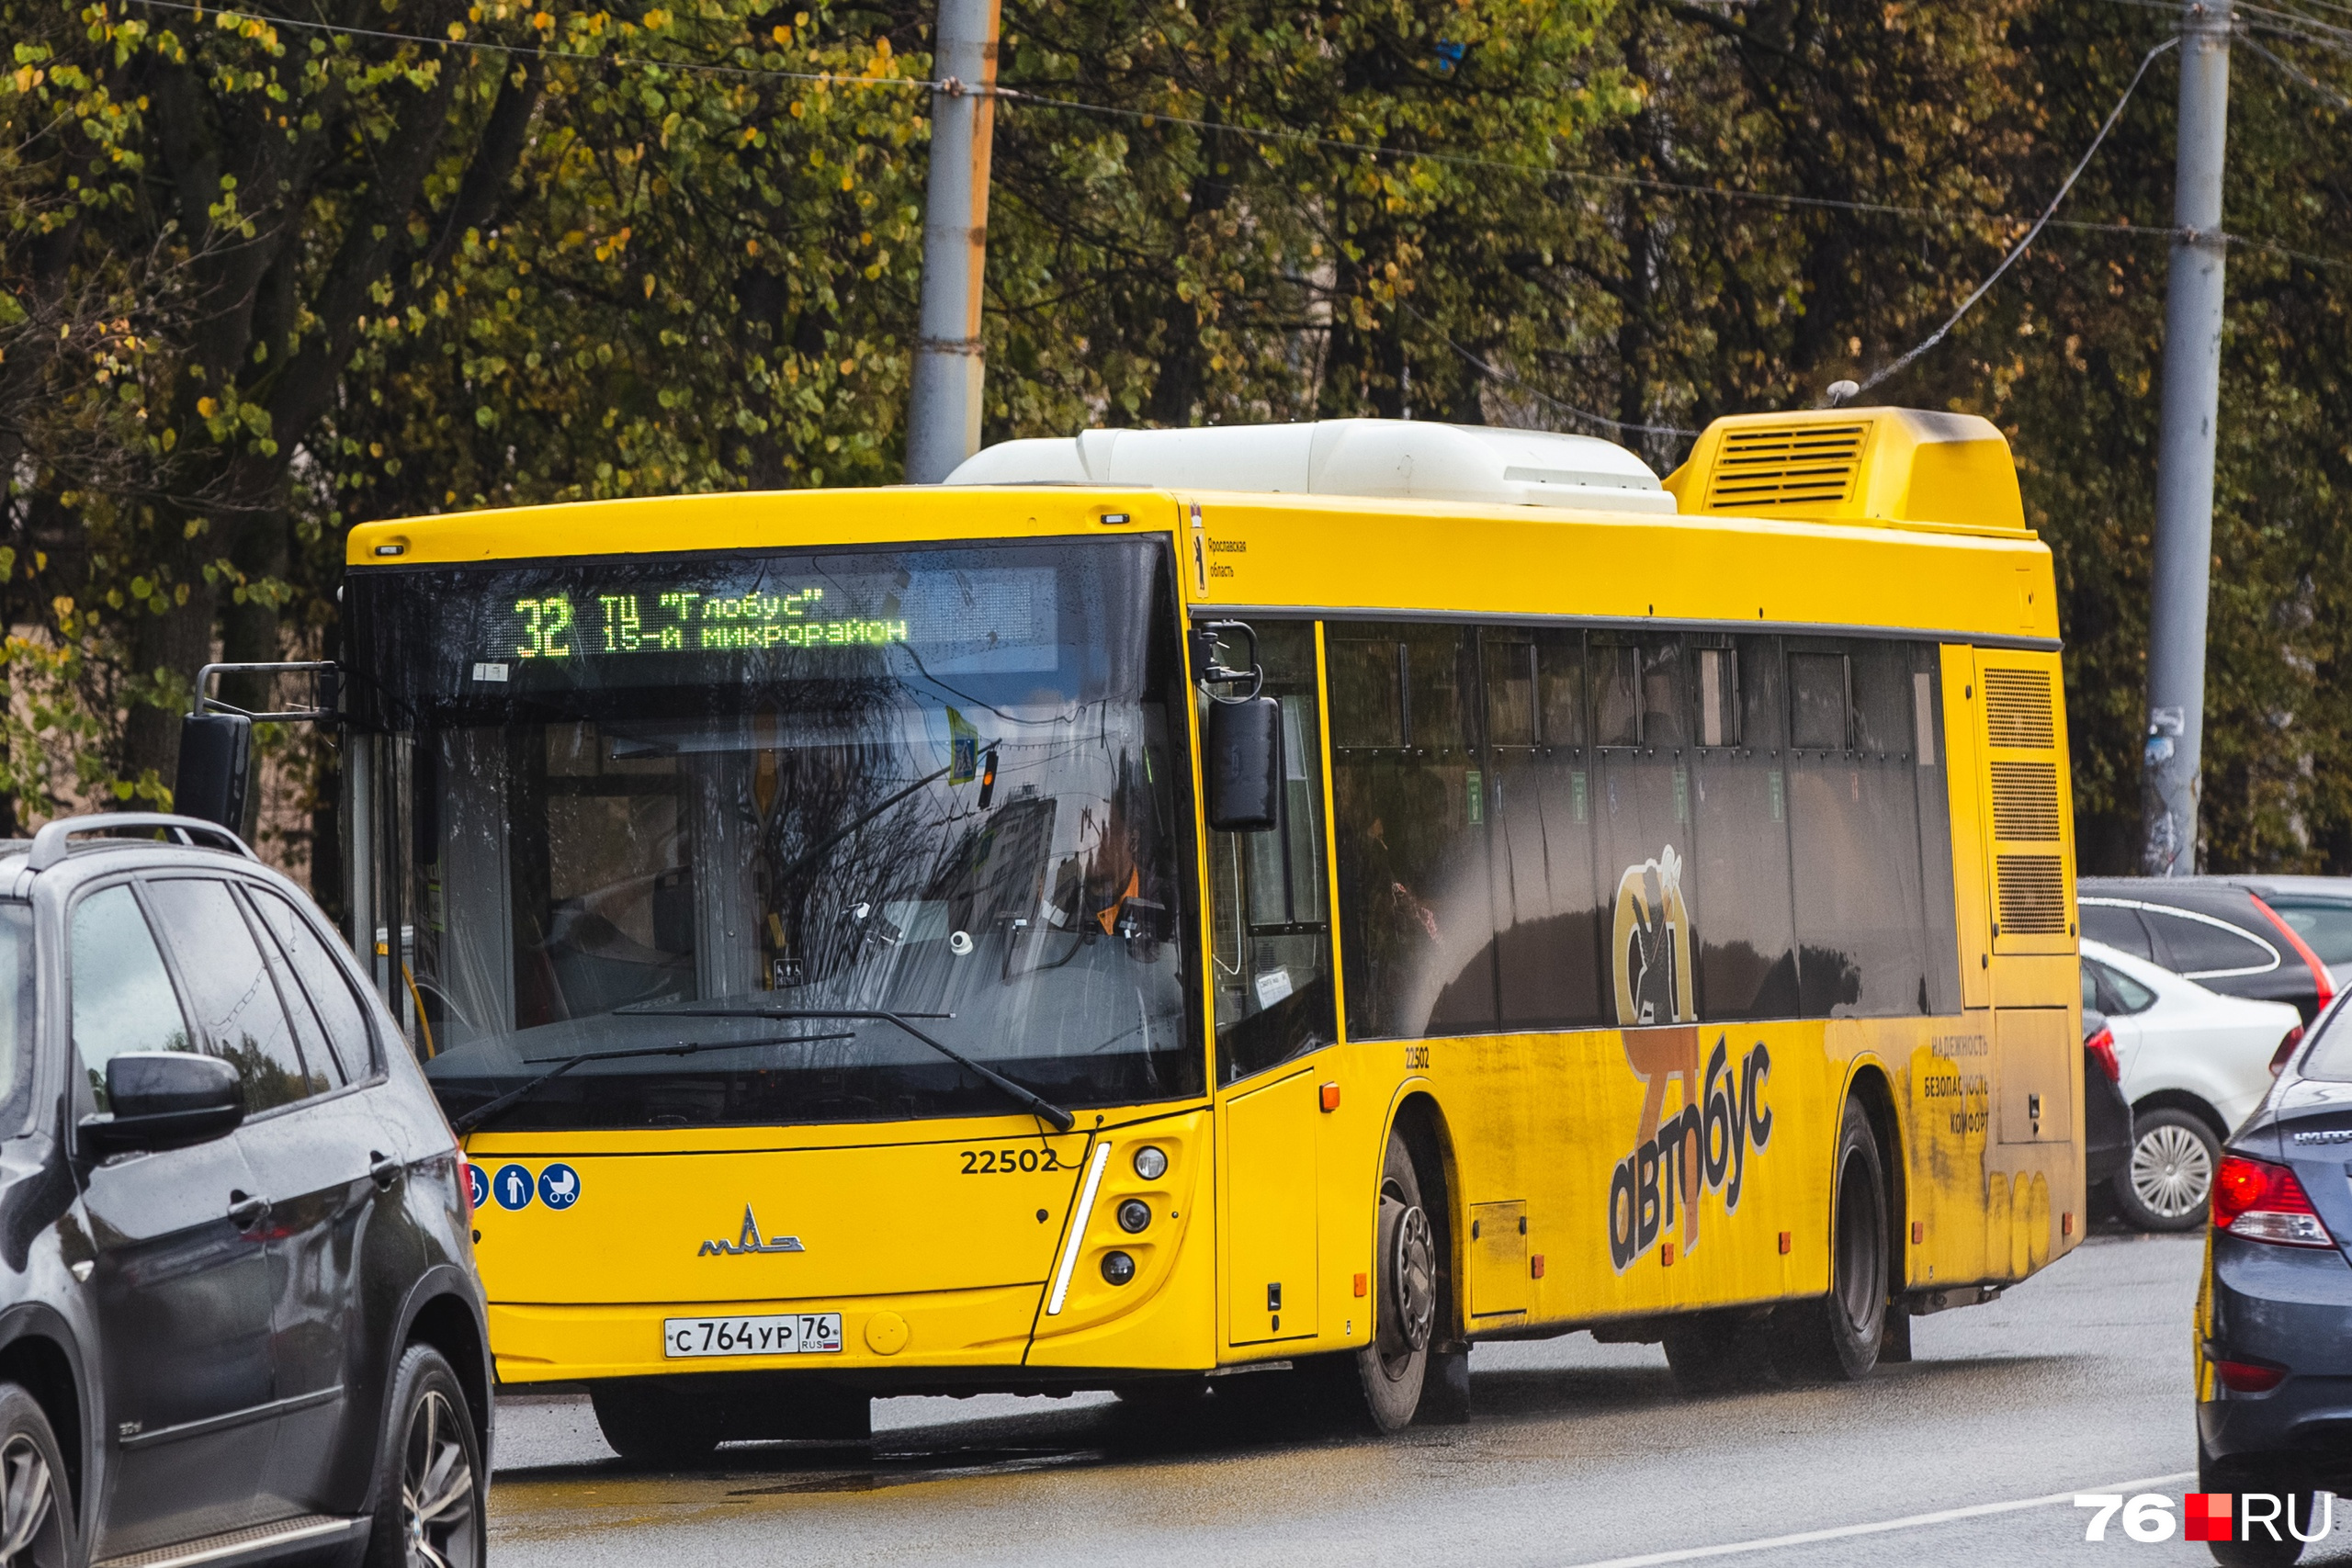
(261, 281)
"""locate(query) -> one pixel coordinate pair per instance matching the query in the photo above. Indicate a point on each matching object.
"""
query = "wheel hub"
(2171, 1172)
(1413, 1279)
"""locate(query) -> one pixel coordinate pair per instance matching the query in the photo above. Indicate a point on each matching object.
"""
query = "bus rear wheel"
(1382, 1383)
(1838, 1336)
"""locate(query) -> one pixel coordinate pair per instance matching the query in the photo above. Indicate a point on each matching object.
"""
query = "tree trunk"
(176, 642)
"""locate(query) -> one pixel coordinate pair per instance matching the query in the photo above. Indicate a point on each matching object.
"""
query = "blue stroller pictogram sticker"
(558, 1187)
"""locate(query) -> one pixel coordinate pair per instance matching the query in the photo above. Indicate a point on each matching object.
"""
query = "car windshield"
(628, 800)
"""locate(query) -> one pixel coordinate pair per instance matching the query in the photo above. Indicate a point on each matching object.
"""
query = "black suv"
(238, 1311)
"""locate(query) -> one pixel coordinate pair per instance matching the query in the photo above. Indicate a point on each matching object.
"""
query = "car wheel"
(1838, 1336)
(36, 1513)
(2167, 1184)
(2242, 1476)
(430, 1484)
(1381, 1384)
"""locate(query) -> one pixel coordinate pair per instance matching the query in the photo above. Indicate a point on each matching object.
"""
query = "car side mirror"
(216, 764)
(166, 1100)
(1245, 765)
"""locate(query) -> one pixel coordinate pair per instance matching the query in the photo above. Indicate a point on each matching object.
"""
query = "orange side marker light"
(1666, 1253)
(1918, 1231)
(1535, 1266)
(1330, 1096)
(2066, 1223)
(1784, 1244)
(1364, 1284)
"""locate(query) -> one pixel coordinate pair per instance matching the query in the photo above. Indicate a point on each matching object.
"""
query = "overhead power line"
(1495, 372)
(2021, 246)
(1269, 134)
(2316, 86)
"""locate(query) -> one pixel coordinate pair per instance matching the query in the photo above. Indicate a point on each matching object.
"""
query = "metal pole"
(2192, 371)
(943, 403)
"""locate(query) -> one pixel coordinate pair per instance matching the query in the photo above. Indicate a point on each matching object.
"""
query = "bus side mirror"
(216, 765)
(1245, 765)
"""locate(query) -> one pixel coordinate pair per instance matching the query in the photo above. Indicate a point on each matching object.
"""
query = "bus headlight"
(1134, 1215)
(1119, 1267)
(1150, 1164)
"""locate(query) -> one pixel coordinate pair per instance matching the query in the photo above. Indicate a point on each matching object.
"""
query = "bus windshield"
(638, 804)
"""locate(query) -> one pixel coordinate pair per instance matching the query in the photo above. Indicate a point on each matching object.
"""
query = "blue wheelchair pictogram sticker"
(478, 1180)
(558, 1187)
(512, 1187)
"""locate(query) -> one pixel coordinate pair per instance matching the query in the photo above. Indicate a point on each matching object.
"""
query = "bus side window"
(1271, 927)
(1411, 786)
(1548, 923)
(1746, 944)
(1869, 946)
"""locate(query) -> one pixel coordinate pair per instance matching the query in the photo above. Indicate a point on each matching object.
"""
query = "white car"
(2195, 1064)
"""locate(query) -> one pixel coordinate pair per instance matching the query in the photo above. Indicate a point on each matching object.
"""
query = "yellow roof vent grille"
(1769, 466)
(1875, 465)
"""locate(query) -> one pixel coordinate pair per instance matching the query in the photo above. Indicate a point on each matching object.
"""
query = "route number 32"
(549, 619)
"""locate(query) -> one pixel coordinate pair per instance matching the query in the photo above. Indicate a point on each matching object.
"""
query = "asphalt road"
(1580, 1454)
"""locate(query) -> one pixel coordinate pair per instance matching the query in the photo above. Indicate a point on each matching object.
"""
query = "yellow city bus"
(1107, 931)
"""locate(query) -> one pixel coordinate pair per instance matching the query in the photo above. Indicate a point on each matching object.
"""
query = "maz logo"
(749, 1241)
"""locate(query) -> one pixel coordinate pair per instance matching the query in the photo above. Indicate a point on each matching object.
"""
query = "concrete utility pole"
(2192, 393)
(943, 404)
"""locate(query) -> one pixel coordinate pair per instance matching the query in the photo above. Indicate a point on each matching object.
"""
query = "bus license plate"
(788, 1333)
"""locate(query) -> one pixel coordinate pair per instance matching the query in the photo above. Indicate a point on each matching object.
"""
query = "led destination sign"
(658, 624)
(688, 620)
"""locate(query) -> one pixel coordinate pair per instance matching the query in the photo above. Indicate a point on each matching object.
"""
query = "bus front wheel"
(1382, 1383)
(1837, 1336)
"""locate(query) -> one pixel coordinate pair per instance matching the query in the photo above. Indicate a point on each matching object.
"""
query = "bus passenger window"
(1270, 930)
(1665, 721)
(1548, 924)
(1367, 695)
(1818, 701)
(1855, 834)
(1616, 696)
(1718, 696)
(1511, 693)
(1747, 945)
(1412, 835)
(1559, 689)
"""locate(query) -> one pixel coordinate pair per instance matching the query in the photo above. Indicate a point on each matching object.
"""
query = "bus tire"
(650, 1425)
(1382, 1383)
(1837, 1338)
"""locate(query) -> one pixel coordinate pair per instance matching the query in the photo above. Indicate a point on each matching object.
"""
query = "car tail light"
(466, 1185)
(2100, 1048)
(2262, 1201)
(2287, 1044)
(2248, 1377)
(2320, 981)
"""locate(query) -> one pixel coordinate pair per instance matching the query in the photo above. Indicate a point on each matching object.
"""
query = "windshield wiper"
(1062, 1120)
(479, 1114)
